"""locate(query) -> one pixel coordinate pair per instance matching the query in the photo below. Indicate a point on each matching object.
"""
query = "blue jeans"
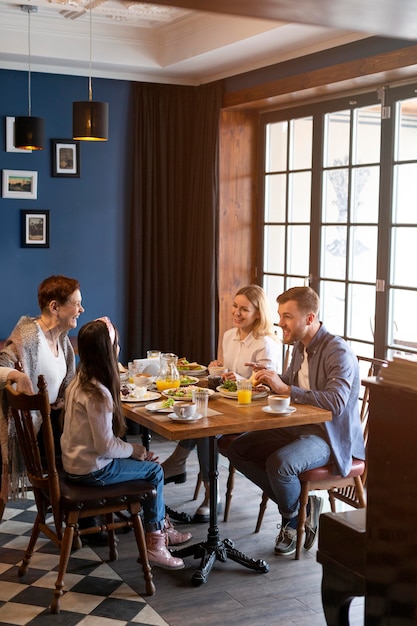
(272, 459)
(119, 470)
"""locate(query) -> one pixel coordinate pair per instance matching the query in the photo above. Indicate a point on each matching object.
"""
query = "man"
(323, 372)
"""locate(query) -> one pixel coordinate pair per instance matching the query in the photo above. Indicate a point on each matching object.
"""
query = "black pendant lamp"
(29, 132)
(90, 120)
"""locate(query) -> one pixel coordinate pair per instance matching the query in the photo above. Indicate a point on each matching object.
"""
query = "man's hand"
(274, 382)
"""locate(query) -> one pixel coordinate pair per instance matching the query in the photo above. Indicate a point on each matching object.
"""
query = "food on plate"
(229, 385)
(187, 380)
(182, 393)
(125, 390)
(167, 403)
(184, 364)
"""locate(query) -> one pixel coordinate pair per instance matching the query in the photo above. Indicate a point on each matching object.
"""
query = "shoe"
(286, 542)
(312, 521)
(178, 479)
(202, 515)
(175, 538)
(158, 553)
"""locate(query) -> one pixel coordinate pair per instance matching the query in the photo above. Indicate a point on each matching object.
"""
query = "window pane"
(406, 148)
(362, 349)
(335, 195)
(404, 196)
(301, 144)
(361, 311)
(276, 147)
(367, 135)
(275, 190)
(333, 252)
(365, 194)
(299, 201)
(404, 257)
(363, 243)
(403, 303)
(336, 141)
(274, 249)
(298, 260)
(273, 286)
(332, 309)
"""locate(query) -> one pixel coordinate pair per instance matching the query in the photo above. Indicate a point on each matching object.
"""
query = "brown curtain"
(173, 221)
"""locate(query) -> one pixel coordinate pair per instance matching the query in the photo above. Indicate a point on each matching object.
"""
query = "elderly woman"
(39, 345)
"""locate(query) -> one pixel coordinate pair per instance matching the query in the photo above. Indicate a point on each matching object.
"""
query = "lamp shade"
(29, 133)
(90, 120)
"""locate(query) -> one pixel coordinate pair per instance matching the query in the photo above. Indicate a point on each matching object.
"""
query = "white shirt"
(88, 442)
(54, 368)
(237, 352)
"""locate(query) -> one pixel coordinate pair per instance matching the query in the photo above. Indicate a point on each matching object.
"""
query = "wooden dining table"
(224, 416)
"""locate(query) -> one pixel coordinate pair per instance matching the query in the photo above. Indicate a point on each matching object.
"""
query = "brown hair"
(57, 288)
(306, 298)
(98, 361)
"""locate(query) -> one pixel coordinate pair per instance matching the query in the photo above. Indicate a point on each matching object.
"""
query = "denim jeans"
(119, 470)
(272, 459)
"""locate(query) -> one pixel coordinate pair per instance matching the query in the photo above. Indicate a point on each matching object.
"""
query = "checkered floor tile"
(94, 594)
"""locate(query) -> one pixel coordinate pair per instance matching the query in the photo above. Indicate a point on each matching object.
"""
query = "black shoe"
(177, 479)
(312, 521)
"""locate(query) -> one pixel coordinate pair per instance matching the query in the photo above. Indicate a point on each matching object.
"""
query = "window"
(338, 213)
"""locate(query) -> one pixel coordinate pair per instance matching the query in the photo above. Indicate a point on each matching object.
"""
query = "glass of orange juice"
(244, 391)
(167, 383)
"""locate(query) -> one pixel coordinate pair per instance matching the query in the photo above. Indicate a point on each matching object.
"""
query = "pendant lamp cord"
(29, 77)
(90, 89)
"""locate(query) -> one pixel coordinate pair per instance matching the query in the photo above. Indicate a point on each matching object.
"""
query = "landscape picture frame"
(34, 229)
(20, 184)
(65, 158)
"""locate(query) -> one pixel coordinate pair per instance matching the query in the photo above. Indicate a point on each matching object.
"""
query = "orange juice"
(244, 396)
(164, 384)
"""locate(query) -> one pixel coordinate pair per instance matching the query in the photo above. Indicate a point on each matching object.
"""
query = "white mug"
(279, 403)
(185, 410)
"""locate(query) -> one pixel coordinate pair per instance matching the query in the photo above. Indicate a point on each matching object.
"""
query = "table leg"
(214, 548)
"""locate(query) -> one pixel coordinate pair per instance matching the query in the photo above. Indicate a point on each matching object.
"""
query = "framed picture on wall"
(65, 158)
(10, 147)
(35, 229)
(19, 184)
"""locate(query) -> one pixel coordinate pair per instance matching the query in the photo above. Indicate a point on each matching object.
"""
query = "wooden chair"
(61, 504)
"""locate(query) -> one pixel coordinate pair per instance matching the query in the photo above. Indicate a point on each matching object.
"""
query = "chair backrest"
(42, 471)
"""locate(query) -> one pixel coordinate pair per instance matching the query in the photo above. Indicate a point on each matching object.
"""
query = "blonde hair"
(263, 326)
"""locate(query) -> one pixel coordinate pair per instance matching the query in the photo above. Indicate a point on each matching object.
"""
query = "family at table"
(323, 372)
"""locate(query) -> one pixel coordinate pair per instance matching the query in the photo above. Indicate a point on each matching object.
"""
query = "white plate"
(191, 380)
(183, 398)
(267, 409)
(149, 395)
(156, 407)
(233, 394)
(194, 418)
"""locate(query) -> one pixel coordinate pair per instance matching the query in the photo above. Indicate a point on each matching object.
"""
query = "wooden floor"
(288, 594)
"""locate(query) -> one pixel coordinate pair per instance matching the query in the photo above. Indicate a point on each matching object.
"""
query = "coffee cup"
(279, 403)
(142, 380)
(139, 392)
(185, 410)
(217, 370)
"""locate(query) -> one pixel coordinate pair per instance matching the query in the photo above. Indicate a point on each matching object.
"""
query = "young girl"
(93, 451)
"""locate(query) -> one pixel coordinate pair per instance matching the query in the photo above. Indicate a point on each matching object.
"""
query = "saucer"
(290, 409)
(183, 420)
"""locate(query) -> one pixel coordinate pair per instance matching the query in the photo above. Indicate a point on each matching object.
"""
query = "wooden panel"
(384, 17)
(237, 206)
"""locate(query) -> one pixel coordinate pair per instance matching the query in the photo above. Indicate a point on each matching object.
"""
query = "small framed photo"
(35, 229)
(10, 147)
(65, 158)
(19, 184)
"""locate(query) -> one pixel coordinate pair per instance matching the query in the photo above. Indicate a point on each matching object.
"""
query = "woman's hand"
(140, 453)
(22, 380)
(229, 376)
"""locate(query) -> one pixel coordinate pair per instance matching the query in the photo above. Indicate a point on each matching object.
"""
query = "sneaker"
(286, 542)
(315, 505)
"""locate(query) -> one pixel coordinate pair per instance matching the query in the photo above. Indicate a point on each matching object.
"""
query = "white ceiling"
(145, 42)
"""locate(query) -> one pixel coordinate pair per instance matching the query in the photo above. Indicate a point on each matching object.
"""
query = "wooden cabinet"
(391, 526)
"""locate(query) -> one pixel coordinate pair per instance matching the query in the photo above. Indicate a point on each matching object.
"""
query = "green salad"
(229, 385)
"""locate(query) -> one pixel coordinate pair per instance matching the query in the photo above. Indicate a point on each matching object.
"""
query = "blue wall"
(87, 214)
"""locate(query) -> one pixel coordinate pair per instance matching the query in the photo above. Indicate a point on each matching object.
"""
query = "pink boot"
(158, 553)
(175, 538)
